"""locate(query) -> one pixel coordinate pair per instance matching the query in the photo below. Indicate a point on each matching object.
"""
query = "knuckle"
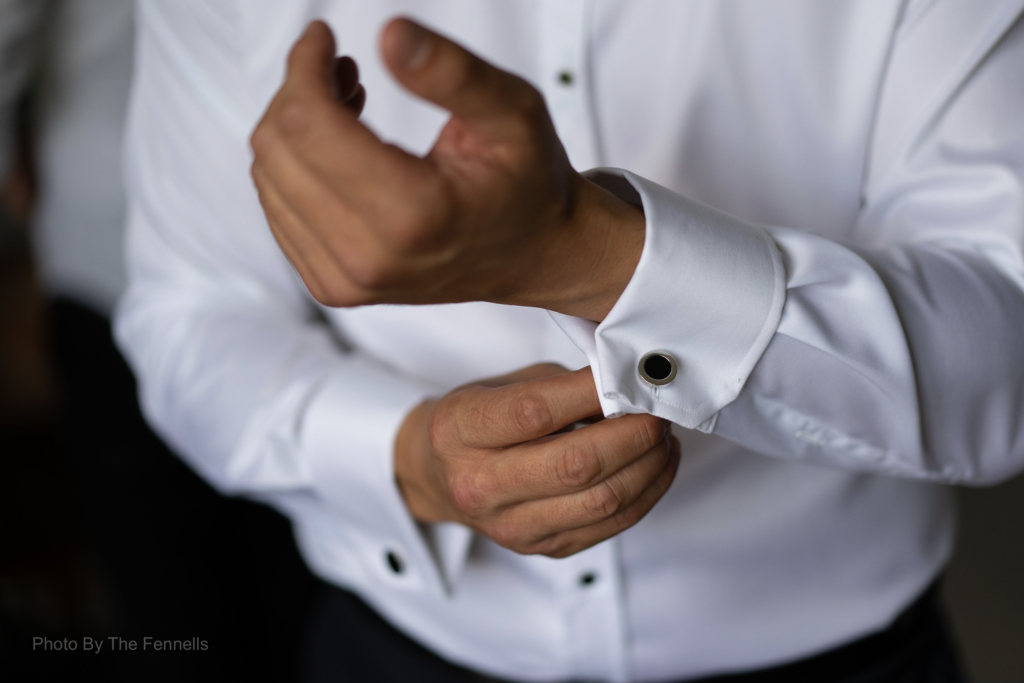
(471, 492)
(261, 138)
(530, 414)
(530, 105)
(458, 419)
(663, 451)
(442, 427)
(604, 500)
(319, 294)
(557, 546)
(370, 274)
(630, 516)
(509, 536)
(559, 552)
(499, 533)
(329, 292)
(411, 233)
(294, 117)
(650, 431)
(577, 466)
(420, 223)
(255, 172)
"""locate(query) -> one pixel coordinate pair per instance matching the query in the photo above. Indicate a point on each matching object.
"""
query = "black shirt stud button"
(566, 77)
(587, 579)
(395, 562)
(658, 368)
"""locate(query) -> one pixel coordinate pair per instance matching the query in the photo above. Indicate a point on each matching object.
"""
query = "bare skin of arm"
(494, 212)
(491, 456)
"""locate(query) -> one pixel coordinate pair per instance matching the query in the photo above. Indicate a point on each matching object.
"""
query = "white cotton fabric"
(834, 195)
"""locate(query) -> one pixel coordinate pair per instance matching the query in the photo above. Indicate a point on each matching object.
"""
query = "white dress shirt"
(832, 369)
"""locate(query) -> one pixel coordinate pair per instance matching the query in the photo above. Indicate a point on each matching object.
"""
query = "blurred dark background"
(103, 531)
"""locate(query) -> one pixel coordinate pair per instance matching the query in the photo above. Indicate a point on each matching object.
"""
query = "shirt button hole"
(394, 561)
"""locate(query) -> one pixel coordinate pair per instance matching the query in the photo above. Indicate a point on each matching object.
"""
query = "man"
(817, 375)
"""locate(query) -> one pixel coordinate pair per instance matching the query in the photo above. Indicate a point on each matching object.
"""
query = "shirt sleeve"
(897, 351)
(236, 368)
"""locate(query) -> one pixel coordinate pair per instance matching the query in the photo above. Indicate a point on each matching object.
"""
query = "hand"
(493, 213)
(492, 455)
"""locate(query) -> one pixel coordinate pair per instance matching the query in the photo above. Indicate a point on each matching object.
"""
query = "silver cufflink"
(658, 368)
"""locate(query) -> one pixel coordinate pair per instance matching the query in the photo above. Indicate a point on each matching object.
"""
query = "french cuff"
(348, 436)
(703, 303)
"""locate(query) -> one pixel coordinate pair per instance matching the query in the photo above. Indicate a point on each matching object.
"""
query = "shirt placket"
(565, 78)
(590, 582)
(592, 604)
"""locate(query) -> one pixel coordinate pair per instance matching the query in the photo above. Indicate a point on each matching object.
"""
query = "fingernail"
(413, 45)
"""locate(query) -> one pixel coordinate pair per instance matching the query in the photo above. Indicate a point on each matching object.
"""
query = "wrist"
(614, 230)
(591, 256)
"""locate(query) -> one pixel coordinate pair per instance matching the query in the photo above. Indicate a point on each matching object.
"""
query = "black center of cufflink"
(658, 368)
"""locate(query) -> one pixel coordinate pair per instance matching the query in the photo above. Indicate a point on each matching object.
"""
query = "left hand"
(495, 456)
(494, 212)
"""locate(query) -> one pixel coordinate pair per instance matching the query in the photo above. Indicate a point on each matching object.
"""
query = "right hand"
(495, 211)
(490, 455)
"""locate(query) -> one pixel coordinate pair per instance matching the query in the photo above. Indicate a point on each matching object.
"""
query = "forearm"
(900, 360)
(904, 361)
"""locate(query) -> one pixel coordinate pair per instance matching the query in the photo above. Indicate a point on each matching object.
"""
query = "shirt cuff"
(348, 437)
(708, 291)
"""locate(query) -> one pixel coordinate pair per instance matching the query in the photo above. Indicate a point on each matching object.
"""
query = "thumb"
(443, 72)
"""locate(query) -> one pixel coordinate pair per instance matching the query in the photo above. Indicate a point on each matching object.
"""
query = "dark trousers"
(180, 560)
(349, 642)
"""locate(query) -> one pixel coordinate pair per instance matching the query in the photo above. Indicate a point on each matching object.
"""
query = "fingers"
(536, 371)
(345, 85)
(562, 527)
(314, 115)
(571, 542)
(326, 281)
(593, 461)
(605, 499)
(325, 221)
(323, 176)
(483, 417)
(437, 69)
(505, 473)
(311, 60)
